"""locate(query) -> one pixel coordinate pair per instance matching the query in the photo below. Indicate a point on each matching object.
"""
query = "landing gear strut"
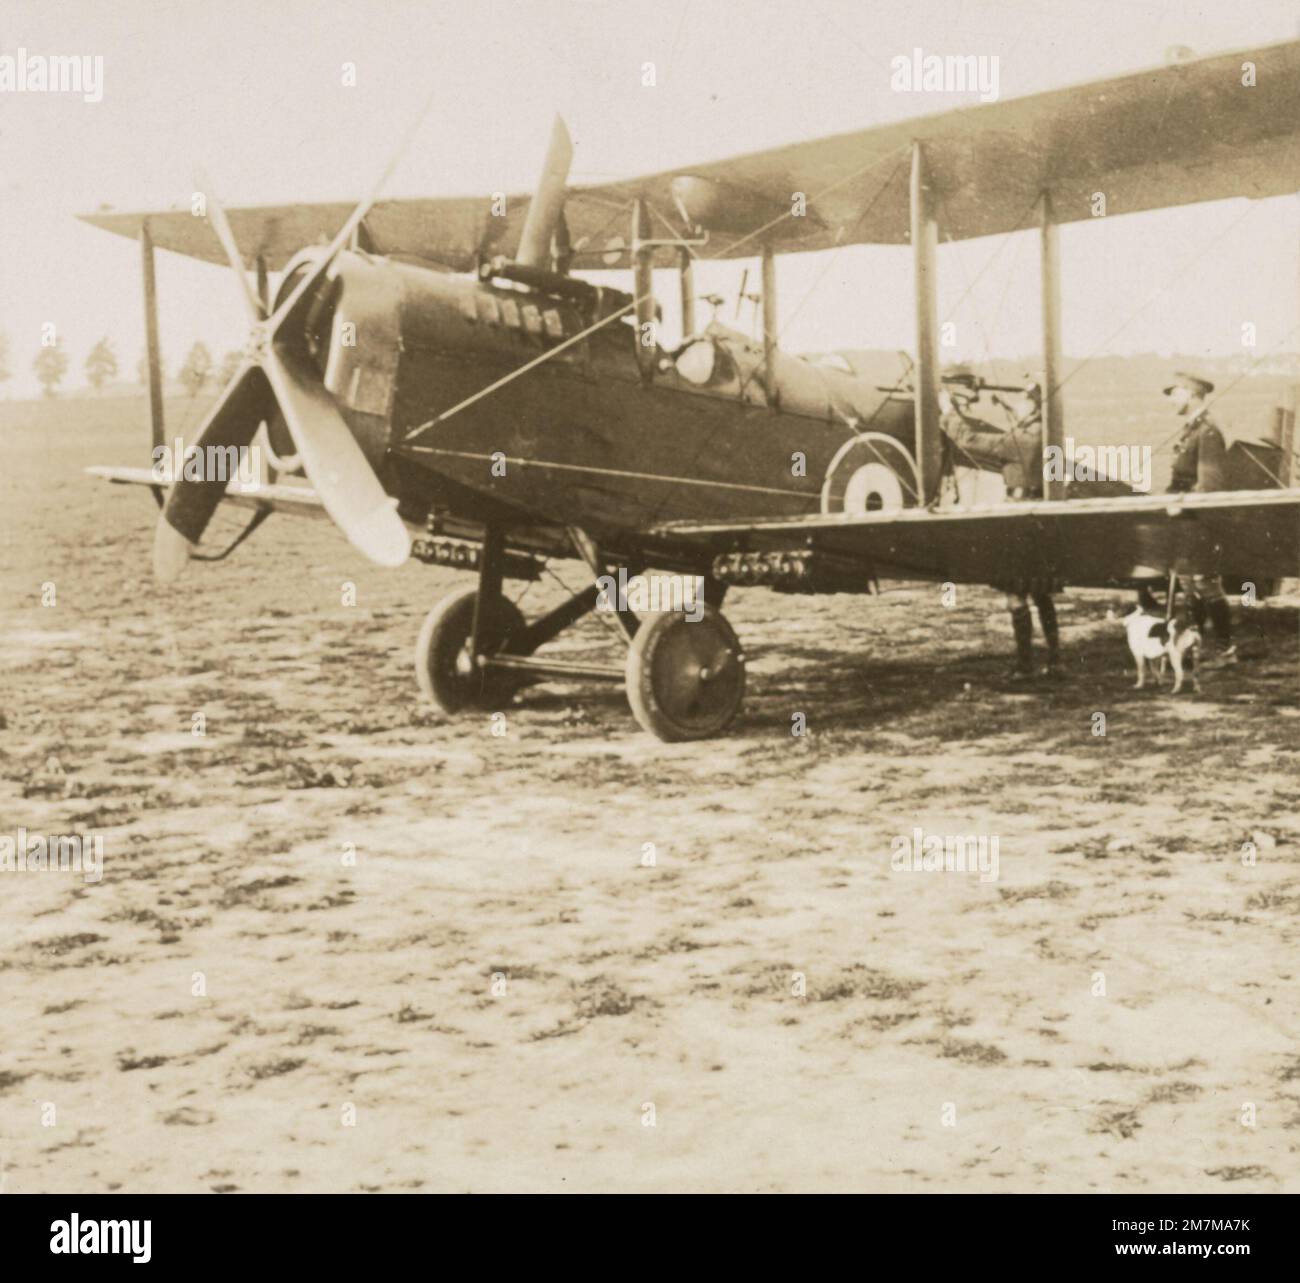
(684, 675)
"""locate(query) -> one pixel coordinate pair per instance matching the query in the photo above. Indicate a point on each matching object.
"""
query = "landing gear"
(684, 674)
(446, 669)
(685, 678)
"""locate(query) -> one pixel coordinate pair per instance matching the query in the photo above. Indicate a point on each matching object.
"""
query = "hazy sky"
(253, 92)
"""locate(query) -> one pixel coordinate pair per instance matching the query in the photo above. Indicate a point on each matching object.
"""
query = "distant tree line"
(50, 365)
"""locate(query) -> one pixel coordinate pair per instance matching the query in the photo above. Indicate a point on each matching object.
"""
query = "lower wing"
(300, 500)
(1085, 542)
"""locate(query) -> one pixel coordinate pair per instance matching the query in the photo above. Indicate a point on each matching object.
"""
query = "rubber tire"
(442, 639)
(650, 677)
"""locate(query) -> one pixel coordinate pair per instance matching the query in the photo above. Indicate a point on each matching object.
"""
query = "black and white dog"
(1152, 638)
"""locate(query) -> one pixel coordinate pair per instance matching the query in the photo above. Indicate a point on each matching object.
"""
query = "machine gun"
(963, 379)
(973, 386)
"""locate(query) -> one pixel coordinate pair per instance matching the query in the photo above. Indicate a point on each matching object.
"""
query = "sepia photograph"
(607, 598)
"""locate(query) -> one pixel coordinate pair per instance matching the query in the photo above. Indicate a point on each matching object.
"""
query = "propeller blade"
(221, 225)
(335, 465)
(233, 421)
(547, 206)
(334, 462)
(345, 233)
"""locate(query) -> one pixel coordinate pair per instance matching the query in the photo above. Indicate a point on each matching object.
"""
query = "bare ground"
(500, 994)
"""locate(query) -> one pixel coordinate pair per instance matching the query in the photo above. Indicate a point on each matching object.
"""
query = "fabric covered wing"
(1172, 135)
(300, 501)
(1085, 542)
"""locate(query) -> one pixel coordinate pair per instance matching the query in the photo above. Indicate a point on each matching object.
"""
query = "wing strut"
(686, 281)
(925, 235)
(157, 429)
(769, 324)
(1053, 401)
(643, 288)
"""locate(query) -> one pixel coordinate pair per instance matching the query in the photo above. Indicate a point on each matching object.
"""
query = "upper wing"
(1172, 135)
(1086, 542)
(450, 230)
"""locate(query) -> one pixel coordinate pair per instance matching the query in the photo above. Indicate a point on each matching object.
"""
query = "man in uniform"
(1200, 463)
(1018, 454)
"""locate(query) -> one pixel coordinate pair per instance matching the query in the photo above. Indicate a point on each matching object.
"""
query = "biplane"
(452, 387)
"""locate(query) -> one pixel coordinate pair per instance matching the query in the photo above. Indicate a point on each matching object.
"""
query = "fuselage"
(589, 436)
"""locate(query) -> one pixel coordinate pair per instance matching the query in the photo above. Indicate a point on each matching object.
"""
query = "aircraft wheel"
(685, 681)
(442, 662)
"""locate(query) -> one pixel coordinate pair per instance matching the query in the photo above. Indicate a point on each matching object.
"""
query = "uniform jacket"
(1200, 457)
(1017, 454)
